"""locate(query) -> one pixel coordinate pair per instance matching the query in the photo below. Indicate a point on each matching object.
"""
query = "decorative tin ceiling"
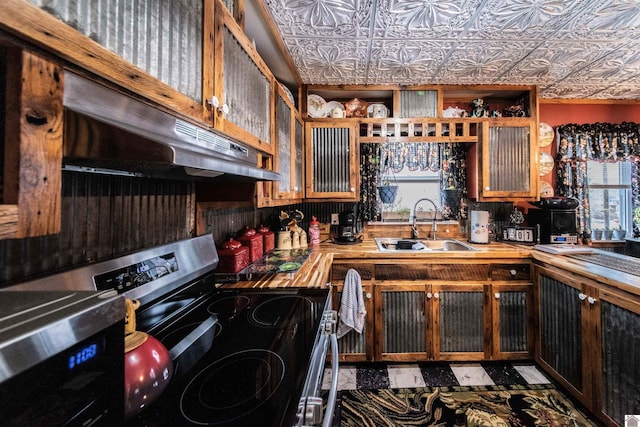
(569, 48)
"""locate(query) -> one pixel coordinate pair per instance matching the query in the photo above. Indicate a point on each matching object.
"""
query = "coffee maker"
(347, 226)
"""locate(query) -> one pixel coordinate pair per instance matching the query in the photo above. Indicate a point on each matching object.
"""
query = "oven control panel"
(140, 273)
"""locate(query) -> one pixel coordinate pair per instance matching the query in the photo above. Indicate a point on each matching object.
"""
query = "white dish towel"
(352, 311)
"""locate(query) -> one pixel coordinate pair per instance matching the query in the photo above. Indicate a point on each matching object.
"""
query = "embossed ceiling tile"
(550, 62)
(396, 62)
(573, 91)
(620, 91)
(326, 18)
(614, 66)
(410, 19)
(327, 61)
(609, 19)
(478, 62)
(533, 20)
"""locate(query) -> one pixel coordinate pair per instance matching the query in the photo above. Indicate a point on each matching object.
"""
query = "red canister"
(268, 238)
(233, 257)
(253, 241)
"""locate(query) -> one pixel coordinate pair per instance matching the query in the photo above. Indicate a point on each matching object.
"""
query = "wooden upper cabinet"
(331, 158)
(289, 158)
(242, 85)
(507, 168)
(32, 124)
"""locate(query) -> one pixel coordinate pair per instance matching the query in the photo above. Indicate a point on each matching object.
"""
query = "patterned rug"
(496, 406)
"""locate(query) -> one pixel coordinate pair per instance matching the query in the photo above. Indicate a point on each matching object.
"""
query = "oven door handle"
(333, 390)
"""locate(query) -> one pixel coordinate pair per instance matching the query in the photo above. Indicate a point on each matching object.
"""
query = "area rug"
(496, 406)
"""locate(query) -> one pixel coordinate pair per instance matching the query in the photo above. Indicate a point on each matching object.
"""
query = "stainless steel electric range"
(242, 357)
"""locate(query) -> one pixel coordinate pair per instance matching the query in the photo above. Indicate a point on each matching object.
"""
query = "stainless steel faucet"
(434, 225)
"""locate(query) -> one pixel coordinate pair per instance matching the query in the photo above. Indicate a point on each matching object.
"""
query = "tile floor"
(408, 375)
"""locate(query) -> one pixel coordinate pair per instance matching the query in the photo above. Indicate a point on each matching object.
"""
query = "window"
(609, 195)
(412, 186)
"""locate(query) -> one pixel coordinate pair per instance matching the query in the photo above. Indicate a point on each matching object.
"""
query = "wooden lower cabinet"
(588, 340)
(420, 321)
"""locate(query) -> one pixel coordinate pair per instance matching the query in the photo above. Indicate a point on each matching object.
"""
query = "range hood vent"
(109, 132)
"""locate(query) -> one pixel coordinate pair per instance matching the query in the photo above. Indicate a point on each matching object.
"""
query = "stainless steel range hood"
(108, 132)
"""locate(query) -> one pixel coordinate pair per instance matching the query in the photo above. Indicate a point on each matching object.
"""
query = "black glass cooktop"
(254, 371)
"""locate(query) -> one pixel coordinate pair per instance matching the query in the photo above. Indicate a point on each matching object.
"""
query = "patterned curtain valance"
(598, 141)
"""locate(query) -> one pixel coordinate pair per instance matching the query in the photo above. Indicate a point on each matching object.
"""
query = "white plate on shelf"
(332, 105)
(315, 106)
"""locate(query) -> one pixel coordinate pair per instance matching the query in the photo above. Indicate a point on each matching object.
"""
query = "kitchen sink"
(389, 244)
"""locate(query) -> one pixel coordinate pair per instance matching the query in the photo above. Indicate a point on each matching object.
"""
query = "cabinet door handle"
(497, 295)
(436, 295)
(591, 300)
(429, 295)
(582, 296)
(368, 295)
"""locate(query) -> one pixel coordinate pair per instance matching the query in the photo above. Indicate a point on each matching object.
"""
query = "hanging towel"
(352, 311)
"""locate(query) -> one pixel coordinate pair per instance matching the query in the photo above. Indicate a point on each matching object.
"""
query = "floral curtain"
(433, 156)
(600, 141)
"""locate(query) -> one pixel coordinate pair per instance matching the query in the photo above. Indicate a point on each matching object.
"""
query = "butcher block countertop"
(315, 272)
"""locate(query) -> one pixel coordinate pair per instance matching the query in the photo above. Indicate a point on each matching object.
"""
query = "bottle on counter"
(303, 239)
(314, 231)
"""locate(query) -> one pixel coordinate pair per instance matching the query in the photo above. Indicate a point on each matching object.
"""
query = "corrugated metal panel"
(299, 165)
(164, 38)
(353, 342)
(620, 367)
(509, 152)
(247, 90)
(404, 322)
(283, 120)
(513, 321)
(103, 216)
(461, 322)
(418, 103)
(560, 325)
(330, 152)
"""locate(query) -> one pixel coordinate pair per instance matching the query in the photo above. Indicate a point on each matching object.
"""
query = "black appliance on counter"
(242, 357)
(556, 218)
(61, 358)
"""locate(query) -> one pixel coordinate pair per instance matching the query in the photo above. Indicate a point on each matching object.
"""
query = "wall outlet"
(335, 219)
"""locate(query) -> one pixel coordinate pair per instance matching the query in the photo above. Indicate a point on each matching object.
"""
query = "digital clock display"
(83, 355)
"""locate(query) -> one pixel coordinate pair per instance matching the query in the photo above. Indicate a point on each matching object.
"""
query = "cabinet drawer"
(339, 271)
(463, 272)
(508, 272)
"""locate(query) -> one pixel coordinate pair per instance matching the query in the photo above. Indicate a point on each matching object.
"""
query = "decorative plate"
(315, 105)
(546, 135)
(332, 105)
(546, 190)
(546, 163)
(290, 266)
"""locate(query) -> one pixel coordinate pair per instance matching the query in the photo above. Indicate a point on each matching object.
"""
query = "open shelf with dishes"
(430, 113)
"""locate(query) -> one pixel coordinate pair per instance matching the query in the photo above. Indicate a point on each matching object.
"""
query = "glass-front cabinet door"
(241, 105)
(509, 161)
(289, 150)
(331, 161)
